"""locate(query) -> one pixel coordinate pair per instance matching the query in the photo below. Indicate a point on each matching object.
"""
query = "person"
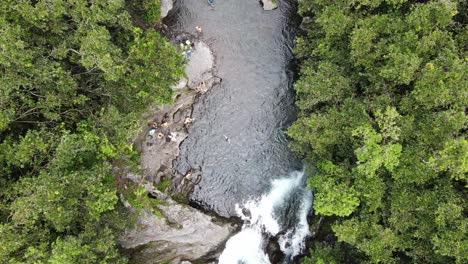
(201, 87)
(188, 120)
(198, 29)
(188, 53)
(150, 139)
(172, 136)
(165, 118)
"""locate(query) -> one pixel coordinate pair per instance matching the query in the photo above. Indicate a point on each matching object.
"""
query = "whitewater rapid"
(283, 209)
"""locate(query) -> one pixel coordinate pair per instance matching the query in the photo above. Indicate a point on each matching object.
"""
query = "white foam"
(261, 220)
(245, 247)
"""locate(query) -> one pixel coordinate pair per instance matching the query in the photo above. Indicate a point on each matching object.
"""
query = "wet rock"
(246, 213)
(166, 6)
(274, 251)
(186, 183)
(269, 4)
(181, 233)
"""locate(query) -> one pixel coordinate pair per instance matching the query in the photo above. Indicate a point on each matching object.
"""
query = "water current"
(283, 209)
(237, 138)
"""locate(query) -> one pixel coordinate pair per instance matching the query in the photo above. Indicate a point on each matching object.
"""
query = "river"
(237, 138)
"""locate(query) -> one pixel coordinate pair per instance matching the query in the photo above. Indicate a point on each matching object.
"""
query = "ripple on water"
(251, 106)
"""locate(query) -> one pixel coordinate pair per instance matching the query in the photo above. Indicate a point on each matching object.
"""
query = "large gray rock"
(200, 65)
(183, 233)
(199, 70)
(166, 6)
(269, 4)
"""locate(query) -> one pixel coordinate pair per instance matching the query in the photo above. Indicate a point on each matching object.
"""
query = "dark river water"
(252, 106)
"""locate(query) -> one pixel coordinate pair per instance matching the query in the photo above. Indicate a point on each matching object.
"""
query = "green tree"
(382, 96)
(75, 77)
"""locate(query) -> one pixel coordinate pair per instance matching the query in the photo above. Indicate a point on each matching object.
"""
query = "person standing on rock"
(171, 137)
(198, 30)
(188, 53)
(151, 135)
(188, 120)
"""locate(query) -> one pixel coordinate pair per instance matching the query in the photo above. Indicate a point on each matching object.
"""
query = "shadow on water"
(252, 107)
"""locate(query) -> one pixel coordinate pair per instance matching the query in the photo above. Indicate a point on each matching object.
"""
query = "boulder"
(274, 252)
(200, 66)
(166, 6)
(182, 233)
(269, 4)
(199, 69)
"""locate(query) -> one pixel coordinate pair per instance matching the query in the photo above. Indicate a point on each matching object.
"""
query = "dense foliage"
(75, 76)
(383, 96)
(149, 10)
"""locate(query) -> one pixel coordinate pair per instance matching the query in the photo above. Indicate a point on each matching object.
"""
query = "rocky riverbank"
(166, 6)
(179, 233)
(174, 122)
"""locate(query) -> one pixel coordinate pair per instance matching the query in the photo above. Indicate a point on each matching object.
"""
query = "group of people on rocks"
(186, 46)
(162, 133)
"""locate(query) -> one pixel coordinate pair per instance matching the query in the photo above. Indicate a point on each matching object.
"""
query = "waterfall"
(284, 209)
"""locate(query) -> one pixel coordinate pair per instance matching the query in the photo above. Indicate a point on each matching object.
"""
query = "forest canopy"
(383, 96)
(75, 77)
